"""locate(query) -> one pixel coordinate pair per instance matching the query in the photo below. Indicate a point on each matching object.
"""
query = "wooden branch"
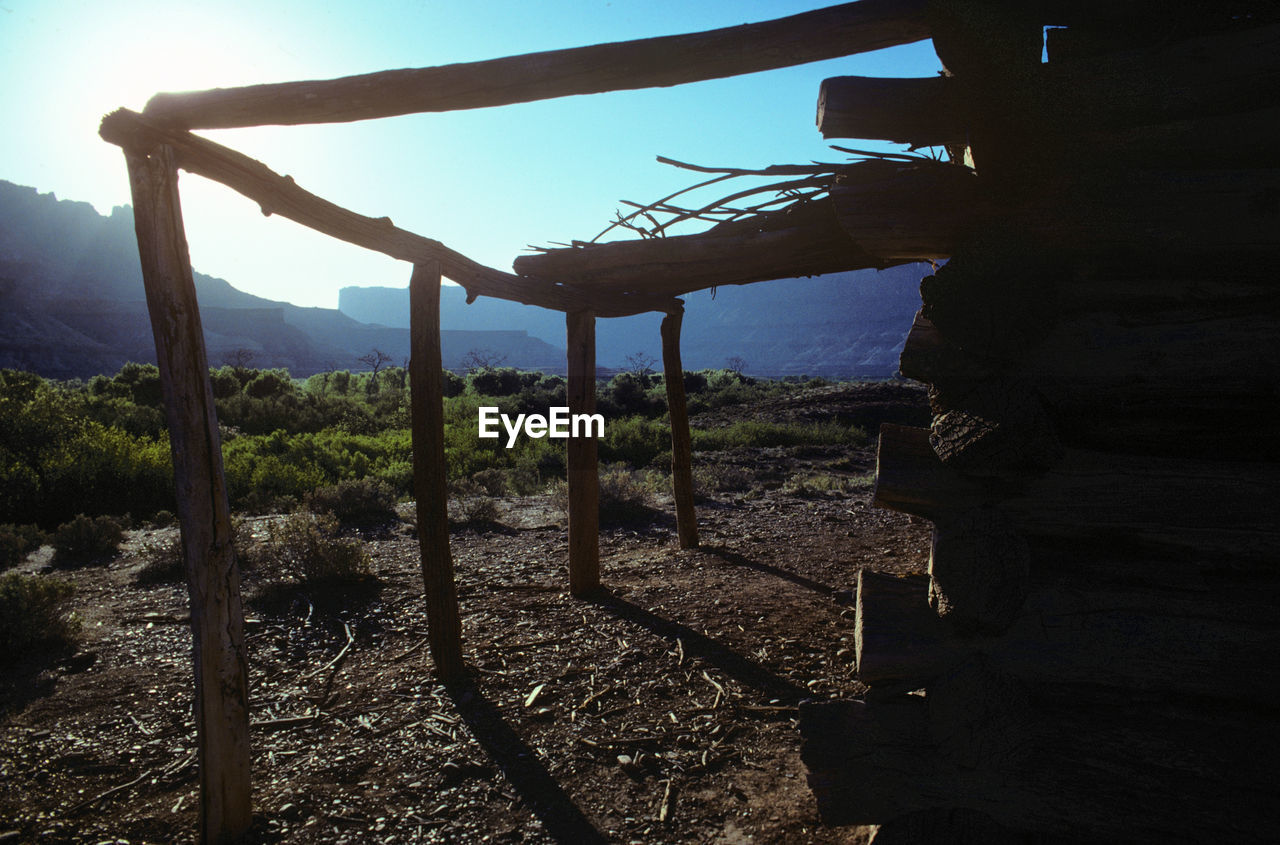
(807, 242)
(583, 464)
(681, 444)
(444, 622)
(213, 578)
(1218, 509)
(278, 194)
(645, 63)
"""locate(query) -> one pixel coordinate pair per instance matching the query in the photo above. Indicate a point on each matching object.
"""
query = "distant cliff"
(844, 324)
(72, 305)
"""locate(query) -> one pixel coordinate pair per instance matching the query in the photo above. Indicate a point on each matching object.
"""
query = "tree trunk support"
(213, 578)
(681, 445)
(444, 625)
(583, 462)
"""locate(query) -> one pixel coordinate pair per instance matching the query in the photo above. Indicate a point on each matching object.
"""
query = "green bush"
(86, 540)
(762, 434)
(362, 501)
(635, 441)
(34, 612)
(18, 541)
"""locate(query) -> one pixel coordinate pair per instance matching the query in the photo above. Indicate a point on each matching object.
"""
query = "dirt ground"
(662, 710)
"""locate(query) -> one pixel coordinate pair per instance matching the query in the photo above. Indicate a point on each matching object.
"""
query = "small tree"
(482, 359)
(241, 358)
(641, 364)
(374, 361)
(736, 363)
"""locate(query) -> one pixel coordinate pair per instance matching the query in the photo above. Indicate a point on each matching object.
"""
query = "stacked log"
(1091, 655)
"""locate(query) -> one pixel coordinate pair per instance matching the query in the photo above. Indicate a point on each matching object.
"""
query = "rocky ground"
(661, 710)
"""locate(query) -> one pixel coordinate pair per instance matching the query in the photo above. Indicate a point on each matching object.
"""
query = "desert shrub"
(86, 539)
(473, 510)
(162, 561)
(18, 541)
(709, 479)
(629, 394)
(34, 611)
(356, 501)
(501, 381)
(819, 486)
(453, 384)
(306, 549)
(635, 441)
(626, 495)
(760, 434)
(164, 519)
(492, 481)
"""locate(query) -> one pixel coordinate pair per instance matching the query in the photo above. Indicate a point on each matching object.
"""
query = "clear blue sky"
(486, 182)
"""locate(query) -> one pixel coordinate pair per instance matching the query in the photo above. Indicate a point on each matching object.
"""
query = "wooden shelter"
(1091, 655)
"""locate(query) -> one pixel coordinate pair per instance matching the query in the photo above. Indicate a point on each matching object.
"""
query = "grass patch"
(749, 433)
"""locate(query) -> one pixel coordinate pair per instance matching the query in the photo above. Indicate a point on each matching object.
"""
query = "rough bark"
(583, 464)
(444, 623)
(670, 60)
(213, 578)
(681, 443)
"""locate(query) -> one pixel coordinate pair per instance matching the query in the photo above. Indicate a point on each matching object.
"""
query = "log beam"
(213, 577)
(444, 624)
(652, 62)
(277, 194)
(681, 442)
(804, 242)
(583, 463)
(1217, 509)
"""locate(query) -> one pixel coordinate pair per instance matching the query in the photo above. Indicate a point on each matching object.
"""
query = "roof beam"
(645, 63)
(278, 194)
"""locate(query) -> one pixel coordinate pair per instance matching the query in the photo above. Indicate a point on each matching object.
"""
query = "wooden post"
(213, 579)
(681, 446)
(444, 625)
(583, 464)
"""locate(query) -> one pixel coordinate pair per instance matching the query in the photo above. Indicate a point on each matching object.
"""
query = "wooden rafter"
(645, 63)
(278, 194)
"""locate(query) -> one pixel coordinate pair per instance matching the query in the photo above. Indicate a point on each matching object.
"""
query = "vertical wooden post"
(213, 579)
(681, 446)
(583, 465)
(444, 624)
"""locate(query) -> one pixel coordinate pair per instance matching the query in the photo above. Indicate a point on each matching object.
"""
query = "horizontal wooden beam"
(808, 242)
(646, 63)
(1219, 74)
(278, 194)
(1221, 510)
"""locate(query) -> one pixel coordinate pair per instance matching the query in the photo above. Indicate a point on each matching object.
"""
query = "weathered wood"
(1192, 83)
(278, 194)
(1215, 508)
(898, 638)
(583, 464)
(979, 569)
(1140, 376)
(922, 112)
(945, 827)
(1104, 769)
(897, 211)
(805, 242)
(444, 623)
(998, 428)
(1076, 627)
(645, 63)
(213, 578)
(681, 443)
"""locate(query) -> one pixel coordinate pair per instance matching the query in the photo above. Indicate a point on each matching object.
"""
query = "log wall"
(1091, 655)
